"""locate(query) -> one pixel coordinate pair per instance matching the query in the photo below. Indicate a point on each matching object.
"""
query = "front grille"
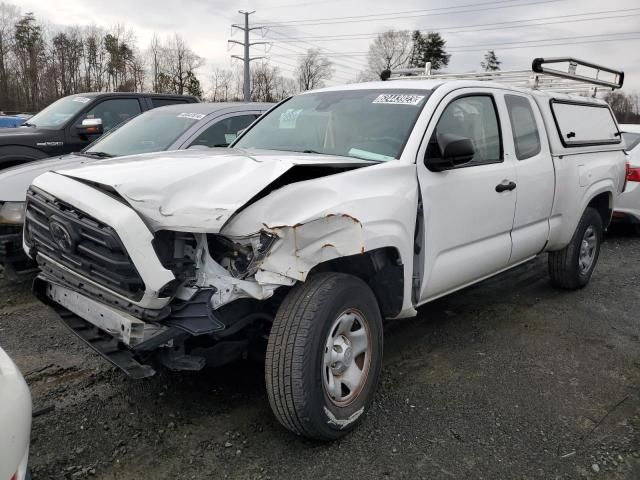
(81, 243)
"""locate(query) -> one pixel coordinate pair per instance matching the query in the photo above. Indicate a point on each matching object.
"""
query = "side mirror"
(454, 151)
(91, 126)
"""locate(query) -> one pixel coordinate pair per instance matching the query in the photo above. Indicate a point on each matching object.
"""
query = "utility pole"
(247, 44)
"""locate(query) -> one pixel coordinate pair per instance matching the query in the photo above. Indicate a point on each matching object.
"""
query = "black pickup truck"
(71, 123)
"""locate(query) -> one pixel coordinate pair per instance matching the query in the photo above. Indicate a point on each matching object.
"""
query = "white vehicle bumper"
(628, 202)
(15, 418)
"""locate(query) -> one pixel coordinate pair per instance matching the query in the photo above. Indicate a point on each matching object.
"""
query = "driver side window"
(222, 133)
(475, 118)
(115, 111)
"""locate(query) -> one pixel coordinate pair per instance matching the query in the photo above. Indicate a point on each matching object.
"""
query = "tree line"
(39, 65)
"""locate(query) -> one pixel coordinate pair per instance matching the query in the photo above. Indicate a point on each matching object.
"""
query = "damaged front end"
(141, 281)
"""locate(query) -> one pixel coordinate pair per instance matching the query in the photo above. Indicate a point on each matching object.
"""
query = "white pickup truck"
(340, 207)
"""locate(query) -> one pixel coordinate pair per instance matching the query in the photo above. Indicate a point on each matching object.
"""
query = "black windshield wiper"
(28, 124)
(98, 154)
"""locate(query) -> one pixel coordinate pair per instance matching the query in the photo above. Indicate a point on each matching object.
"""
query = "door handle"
(504, 186)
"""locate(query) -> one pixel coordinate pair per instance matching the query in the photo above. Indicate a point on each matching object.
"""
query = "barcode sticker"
(399, 99)
(194, 116)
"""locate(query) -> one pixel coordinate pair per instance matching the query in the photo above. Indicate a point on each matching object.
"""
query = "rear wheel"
(324, 356)
(572, 267)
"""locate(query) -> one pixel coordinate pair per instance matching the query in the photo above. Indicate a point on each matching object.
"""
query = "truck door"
(526, 142)
(468, 209)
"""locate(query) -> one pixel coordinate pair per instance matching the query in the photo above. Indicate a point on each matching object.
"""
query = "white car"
(627, 207)
(338, 208)
(15, 421)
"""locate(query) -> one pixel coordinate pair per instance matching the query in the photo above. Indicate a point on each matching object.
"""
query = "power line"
(345, 70)
(299, 4)
(395, 16)
(550, 44)
(315, 46)
(326, 51)
(508, 47)
(294, 67)
(471, 28)
(578, 37)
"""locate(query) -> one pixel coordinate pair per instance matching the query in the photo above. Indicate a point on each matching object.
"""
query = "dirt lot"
(508, 379)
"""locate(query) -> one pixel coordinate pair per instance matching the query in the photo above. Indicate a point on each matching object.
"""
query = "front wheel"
(324, 356)
(572, 267)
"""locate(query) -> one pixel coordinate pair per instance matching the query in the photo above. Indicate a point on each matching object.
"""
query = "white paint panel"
(134, 234)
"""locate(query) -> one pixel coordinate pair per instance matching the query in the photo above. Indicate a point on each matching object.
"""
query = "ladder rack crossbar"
(540, 77)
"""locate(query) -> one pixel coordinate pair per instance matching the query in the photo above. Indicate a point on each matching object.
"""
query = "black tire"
(296, 350)
(564, 266)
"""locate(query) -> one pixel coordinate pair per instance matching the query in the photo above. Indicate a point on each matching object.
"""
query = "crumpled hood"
(15, 181)
(197, 190)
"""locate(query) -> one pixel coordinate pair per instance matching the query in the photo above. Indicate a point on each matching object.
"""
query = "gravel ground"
(507, 379)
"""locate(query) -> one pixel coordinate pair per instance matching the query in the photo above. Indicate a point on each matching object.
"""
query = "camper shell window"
(584, 124)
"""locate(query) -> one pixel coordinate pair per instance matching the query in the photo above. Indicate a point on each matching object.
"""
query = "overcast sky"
(605, 32)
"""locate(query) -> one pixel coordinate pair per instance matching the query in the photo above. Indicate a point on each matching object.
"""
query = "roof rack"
(567, 79)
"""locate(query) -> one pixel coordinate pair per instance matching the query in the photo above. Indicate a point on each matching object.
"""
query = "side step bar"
(105, 345)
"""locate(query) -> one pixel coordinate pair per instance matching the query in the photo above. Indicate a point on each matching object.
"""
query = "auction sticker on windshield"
(81, 99)
(288, 119)
(399, 99)
(193, 116)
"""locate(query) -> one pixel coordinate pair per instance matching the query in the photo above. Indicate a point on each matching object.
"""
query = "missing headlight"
(241, 256)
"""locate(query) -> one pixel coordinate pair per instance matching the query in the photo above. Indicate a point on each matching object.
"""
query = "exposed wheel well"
(604, 206)
(383, 271)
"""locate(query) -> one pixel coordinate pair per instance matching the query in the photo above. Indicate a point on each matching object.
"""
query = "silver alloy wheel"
(587, 249)
(347, 357)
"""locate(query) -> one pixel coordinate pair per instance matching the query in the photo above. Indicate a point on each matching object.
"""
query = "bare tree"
(221, 85)
(40, 62)
(181, 64)
(30, 51)
(95, 59)
(268, 85)
(9, 15)
(391, 49)
(626, 107)
(313, 69)
(154, 54)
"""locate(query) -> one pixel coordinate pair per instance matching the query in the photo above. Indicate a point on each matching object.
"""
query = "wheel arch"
(599, 196)
(603, 204)
(12, 155)
(382, 269)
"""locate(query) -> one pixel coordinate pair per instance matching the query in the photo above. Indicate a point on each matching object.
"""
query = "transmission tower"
(247, 58)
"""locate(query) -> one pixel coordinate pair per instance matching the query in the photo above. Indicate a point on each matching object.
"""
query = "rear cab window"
(524, 127)
(584, 124)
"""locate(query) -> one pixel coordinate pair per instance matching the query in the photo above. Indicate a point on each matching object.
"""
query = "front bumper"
(125, 341)
(12, 255)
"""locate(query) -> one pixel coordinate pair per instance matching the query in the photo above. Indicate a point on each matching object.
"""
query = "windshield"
(631, 139)
(152, 131)
(56, 115)
(367, 124)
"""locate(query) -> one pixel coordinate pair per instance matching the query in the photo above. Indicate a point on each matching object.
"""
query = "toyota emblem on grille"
(61, 236)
